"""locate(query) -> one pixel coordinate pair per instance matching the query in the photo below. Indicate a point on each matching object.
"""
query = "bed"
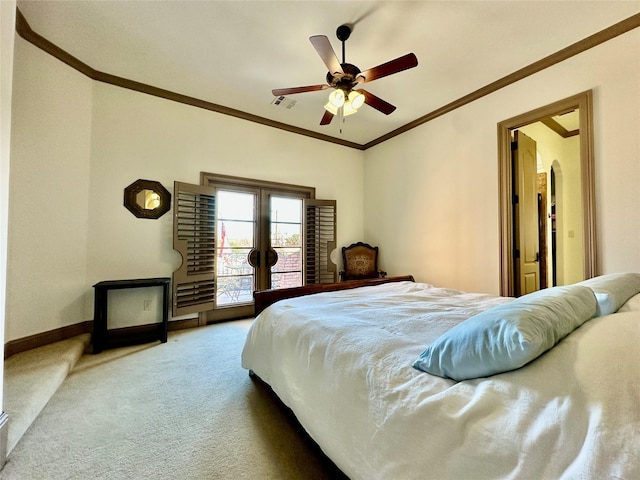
(347, 363)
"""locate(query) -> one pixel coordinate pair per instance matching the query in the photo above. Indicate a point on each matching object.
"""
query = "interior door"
(527, 249)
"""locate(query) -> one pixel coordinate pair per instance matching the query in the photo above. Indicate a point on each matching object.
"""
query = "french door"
(259, 245)
(239, 235)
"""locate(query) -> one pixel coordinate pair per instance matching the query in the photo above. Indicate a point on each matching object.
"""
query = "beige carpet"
(181, 410)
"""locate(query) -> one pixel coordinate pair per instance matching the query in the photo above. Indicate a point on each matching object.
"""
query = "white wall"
(80, 143)
(7, 26)
(49, 186)
(140, 136)
(431, 194)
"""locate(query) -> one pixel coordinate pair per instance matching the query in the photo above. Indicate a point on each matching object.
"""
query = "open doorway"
(547, 207)
(560, 233)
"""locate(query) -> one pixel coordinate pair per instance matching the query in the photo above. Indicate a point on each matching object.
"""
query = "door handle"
(254, 258)
(272, 257)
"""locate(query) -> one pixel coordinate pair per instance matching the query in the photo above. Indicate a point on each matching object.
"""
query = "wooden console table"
(103, 338)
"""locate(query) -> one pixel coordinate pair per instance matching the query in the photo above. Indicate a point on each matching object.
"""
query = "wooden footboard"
(265, 298)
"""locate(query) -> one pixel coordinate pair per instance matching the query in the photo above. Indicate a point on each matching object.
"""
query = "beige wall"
(7, 25)
(431, 194)
(49, 187)
(139, 136)
(79, 143)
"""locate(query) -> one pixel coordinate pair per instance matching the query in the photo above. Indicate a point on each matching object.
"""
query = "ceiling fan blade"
(290, 91)
(325, 50)
(377, 103)
(394, 66)
(326, 118)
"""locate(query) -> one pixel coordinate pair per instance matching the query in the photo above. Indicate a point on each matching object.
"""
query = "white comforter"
(342, 362)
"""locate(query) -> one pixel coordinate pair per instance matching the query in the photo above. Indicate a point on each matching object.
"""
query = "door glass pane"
(286, 240)
(236, 232)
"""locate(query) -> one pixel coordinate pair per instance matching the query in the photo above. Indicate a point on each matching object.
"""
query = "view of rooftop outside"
(286, 240)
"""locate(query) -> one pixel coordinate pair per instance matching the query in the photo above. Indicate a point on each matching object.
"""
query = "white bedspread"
(342, 362)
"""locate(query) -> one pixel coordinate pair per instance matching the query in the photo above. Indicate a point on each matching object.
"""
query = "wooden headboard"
(264, 298)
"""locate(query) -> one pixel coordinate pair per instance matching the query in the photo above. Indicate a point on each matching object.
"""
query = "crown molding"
(26, 32)
(581, 46)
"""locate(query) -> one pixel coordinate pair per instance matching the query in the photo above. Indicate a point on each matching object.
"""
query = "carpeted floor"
(181, 410)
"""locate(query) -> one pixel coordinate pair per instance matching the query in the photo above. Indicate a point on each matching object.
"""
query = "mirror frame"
(131, 203)
(584, 102)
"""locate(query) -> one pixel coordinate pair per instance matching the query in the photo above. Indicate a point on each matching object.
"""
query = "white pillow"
(613, 290)
(632, 305)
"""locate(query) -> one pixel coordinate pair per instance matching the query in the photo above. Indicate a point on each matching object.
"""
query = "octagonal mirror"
(147, 199)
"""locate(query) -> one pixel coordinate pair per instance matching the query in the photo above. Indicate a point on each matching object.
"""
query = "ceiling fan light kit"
(349, 103)
(336, 98)
(344, 77)
(356, 99)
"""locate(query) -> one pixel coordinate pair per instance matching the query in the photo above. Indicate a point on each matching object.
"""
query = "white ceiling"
(233, 53)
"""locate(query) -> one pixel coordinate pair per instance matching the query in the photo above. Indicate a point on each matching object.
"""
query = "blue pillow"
(509, 335)
(613, 290)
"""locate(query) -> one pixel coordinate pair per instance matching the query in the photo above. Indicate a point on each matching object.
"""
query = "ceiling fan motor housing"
(344, 81)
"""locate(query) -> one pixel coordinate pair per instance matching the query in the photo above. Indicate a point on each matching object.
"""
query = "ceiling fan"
(344, 77)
